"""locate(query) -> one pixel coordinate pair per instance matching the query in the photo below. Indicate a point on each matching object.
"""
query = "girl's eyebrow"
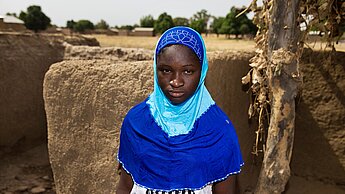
(188, 65)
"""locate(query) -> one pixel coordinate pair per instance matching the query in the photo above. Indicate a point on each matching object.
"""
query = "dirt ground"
(26, 172)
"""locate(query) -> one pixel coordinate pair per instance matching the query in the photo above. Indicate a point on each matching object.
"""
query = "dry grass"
(212, 43)
(127, 41)
(323, 46)
(221, 43)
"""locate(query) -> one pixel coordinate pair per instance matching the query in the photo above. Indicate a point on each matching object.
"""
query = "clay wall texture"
(24, 60)
(319, 146)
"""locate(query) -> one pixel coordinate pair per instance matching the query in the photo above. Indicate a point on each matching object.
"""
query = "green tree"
(199, 21)
(34, 19)
(244, 29)
(70, 24)
(180, 21)
(217, 24)
(231, 23)
(163, 23)
(12, 14)
(126, 27)
(102, 25)
(225, 28)
(237, 25)
(147, 21)
(83, 25)
(22, 16)
(198, 25)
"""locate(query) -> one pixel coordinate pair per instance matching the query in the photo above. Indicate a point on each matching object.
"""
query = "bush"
(83, 25)
(34, 19)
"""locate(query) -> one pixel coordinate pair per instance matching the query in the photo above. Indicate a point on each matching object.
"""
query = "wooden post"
(283, 79)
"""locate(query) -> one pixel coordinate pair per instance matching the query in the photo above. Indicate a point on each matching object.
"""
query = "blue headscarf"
(179, 119)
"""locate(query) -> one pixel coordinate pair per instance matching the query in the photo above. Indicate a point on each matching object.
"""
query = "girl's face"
(178, 72)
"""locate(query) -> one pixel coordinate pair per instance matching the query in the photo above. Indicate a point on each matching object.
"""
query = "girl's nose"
(176, 82)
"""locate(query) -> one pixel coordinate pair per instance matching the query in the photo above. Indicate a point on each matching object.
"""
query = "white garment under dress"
(141, 190)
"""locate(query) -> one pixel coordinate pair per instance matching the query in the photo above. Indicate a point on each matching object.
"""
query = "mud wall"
(86, 101)
(318, 159)
(24, 59)
(224, 83)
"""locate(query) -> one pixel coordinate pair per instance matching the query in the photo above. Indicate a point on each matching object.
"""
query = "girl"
(178, 140)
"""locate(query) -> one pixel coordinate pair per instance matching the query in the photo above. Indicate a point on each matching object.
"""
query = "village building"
(124, 32)
(11, 23)
(115, 31)
(140, 31)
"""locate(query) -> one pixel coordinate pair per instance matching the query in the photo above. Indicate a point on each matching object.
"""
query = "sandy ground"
(26, 172)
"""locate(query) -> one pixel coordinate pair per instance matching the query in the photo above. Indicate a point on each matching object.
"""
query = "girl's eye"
(165, 70)
(188, 72)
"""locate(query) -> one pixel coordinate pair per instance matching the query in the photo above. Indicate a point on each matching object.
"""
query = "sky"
(116, 12)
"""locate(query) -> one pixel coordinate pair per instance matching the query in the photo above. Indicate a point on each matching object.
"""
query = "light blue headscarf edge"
(179, 119)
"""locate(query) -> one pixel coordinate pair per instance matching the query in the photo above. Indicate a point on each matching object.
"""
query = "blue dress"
(209, 153)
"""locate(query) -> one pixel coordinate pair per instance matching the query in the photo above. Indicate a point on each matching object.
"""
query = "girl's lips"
(176, 94)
